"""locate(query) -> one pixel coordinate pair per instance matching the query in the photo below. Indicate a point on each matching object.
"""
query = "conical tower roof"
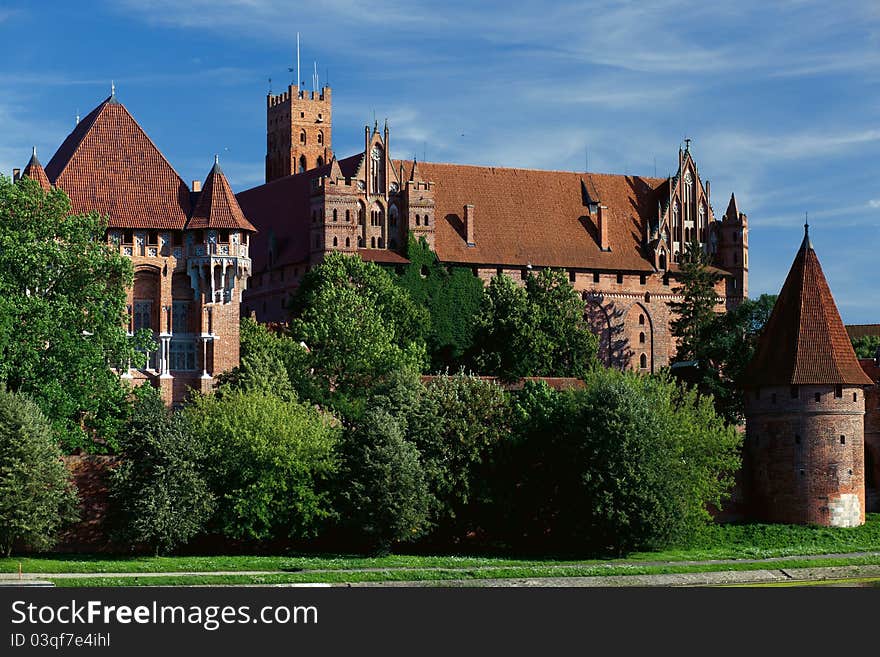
(805, 342)
(217, 206)
(34, 170)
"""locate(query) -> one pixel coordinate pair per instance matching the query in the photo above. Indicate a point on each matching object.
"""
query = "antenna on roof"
(298, 78)
(77, 116)
(270, 86)
(315, 78)
(112, 88)
(216, 159)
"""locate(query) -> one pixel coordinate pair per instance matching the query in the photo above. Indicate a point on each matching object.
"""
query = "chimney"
(197, 185)
(469, 224)
(602, 219)
(16, 175)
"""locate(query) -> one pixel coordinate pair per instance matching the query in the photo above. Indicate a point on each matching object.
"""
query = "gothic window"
(348, 216)
(426, 220)
(182, 355)
(641, 338)
(143, 311)
(319, 162)
(334, 215)
(675, 217)
(347, 242)
(320, 137)
(418, 220)
(362, 211)
(179, 316)
(702, 223)
(641, 320)
(302, 137)
(302, 163)
(335, 242)
(643, 361)
(377, 171)
(372, 242)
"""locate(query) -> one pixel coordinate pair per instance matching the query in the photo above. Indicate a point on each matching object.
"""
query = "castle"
(620, 239)
(189, 247)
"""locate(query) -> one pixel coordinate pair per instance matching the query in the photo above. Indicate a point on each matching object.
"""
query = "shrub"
(382, 489)
(268, 461)
(158, 493)
(36, 495)
(629, 463)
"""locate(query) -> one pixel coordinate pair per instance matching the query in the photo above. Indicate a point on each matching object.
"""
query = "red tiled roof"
(280, 212)
(383, 256)
(804, 342)
(109, 165)
(862, 330)
(525, 216)
(34, 170)
(217, 207)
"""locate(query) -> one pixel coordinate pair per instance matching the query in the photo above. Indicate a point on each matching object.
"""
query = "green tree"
(270, 361)
(452, 296)
(358, 325)
(631, 462)
(535, 330)
(694, 315)
(457, 423)
(37, 496)
(268, 463)
(158, 493)
(383, 493)
(866, 346)
(62, 314)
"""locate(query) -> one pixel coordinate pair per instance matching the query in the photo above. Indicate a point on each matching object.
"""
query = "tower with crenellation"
(298, 131)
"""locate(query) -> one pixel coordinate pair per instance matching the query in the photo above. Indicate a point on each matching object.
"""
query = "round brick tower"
(805, 408)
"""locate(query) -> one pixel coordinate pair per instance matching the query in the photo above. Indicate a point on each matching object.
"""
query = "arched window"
(675, 217)
(643, 361)
(641, 338)
(426, 220)
(702, 223)
(319, 162)
(320, 137)
(348, 216)
(334, 215)
(372, 242)
(360, 241)
(362, 212)
(302, 137)
(418, 220)
(302, 163)
(641, 320)
(377, 170)
(347, 242)
(335, 242)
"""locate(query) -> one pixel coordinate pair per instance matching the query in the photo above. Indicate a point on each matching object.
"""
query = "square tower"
(298, 131)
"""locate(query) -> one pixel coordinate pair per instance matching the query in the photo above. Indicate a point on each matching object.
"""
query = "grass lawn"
(749, 541)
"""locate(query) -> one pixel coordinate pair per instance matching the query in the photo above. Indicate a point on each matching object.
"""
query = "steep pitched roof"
(109, 165)
(525, 216)
(805, 342)
(217, 206)
(732, 208)
(34, 170)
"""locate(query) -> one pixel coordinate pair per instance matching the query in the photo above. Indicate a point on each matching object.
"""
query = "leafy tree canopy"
(535, 330)
(159, 494)
(36, 495)
(358, 325)
(62, 314)
(268, 463)
(866, 346)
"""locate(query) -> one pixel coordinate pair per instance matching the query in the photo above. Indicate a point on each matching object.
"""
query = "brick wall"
(804, 455)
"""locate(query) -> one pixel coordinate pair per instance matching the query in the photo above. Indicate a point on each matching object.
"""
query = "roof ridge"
(536, 170)
(84, 125)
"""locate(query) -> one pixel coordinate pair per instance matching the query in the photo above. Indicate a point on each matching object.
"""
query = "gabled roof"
(805, 342)
(526, 216)
(34, 170)
(109, 165)
(217, 206)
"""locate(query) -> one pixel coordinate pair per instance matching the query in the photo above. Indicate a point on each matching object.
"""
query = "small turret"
(34, 170)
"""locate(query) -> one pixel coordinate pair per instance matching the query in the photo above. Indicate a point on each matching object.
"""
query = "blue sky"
(781, 101)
